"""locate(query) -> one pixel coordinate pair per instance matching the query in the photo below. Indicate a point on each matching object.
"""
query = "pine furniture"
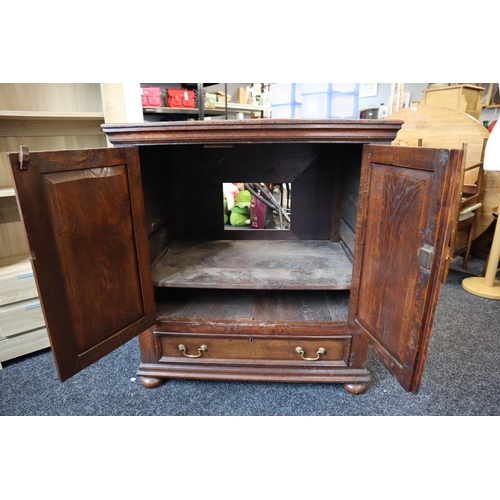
(42, 116)
(466, 98)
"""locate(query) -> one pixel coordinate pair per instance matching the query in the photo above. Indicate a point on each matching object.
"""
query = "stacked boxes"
(315, 100)
(286, 100)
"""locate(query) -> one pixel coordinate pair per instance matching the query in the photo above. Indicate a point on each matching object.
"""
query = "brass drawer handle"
(320, 351)
(202, 348)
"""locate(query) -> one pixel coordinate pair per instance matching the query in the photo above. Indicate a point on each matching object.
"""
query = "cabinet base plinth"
(358, 379)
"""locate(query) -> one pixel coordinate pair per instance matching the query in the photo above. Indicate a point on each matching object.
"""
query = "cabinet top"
(253, 131)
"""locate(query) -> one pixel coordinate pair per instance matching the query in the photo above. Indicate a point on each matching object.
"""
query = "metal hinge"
(24, 158)
(425, 257)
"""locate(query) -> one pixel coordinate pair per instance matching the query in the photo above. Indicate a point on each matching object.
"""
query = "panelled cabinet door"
(83, 212)
(401, 243)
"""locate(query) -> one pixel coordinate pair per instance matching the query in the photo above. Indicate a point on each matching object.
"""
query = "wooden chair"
(464, 215)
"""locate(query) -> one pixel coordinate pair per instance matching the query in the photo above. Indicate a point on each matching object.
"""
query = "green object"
(241, 211)
(236, 219)
(239, 216)
(243, 199)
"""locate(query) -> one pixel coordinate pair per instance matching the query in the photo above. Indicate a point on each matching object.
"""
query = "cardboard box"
(221, 96)
(242, 96)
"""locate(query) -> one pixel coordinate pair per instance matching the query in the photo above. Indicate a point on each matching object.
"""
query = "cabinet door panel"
(84, 218)
(401, 242)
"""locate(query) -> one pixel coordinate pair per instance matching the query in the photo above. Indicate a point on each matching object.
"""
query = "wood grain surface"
(254, 265)
(252, 307)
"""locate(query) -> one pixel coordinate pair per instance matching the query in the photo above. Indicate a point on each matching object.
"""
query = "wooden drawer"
(20, 317)
(23, 344)
(332, 351)
(16, 280)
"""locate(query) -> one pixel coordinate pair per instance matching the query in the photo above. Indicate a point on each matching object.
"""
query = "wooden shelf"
(236, 107)
(166, 111)
(220, 108)
(245, 264)
(6, 192)
(50, 115)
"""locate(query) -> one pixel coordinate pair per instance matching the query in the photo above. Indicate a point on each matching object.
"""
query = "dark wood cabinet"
(131, 240)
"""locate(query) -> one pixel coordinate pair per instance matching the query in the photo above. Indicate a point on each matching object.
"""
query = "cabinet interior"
(201, 270)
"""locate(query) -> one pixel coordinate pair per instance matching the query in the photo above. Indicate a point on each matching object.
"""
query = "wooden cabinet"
(466, 98)
(130, 240)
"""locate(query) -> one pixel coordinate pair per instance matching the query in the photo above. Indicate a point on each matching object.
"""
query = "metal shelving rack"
(200, 110)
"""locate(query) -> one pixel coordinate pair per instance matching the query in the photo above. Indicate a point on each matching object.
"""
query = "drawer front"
(17, 283)
(20, 317)
(25, 343)
(333, 351)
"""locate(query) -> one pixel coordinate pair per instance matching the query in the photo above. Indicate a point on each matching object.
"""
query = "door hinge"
(24, 158)
(425, 257)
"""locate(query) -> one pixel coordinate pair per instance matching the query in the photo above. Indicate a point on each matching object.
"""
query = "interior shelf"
(247, 264)
(252, 306)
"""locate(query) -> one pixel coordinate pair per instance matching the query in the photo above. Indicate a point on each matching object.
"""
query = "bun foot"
(151, 382)
(355, 388)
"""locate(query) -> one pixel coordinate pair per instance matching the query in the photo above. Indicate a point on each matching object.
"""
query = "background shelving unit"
(43, 117)
(200, 112)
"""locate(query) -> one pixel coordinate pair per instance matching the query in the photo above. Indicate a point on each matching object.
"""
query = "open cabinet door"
(83, 212)
(401, 242)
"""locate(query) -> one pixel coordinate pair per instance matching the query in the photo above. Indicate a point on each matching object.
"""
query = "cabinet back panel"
(183, 187)
(313, 207)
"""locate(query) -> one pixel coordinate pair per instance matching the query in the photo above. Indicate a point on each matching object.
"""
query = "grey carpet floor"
(461, 377)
